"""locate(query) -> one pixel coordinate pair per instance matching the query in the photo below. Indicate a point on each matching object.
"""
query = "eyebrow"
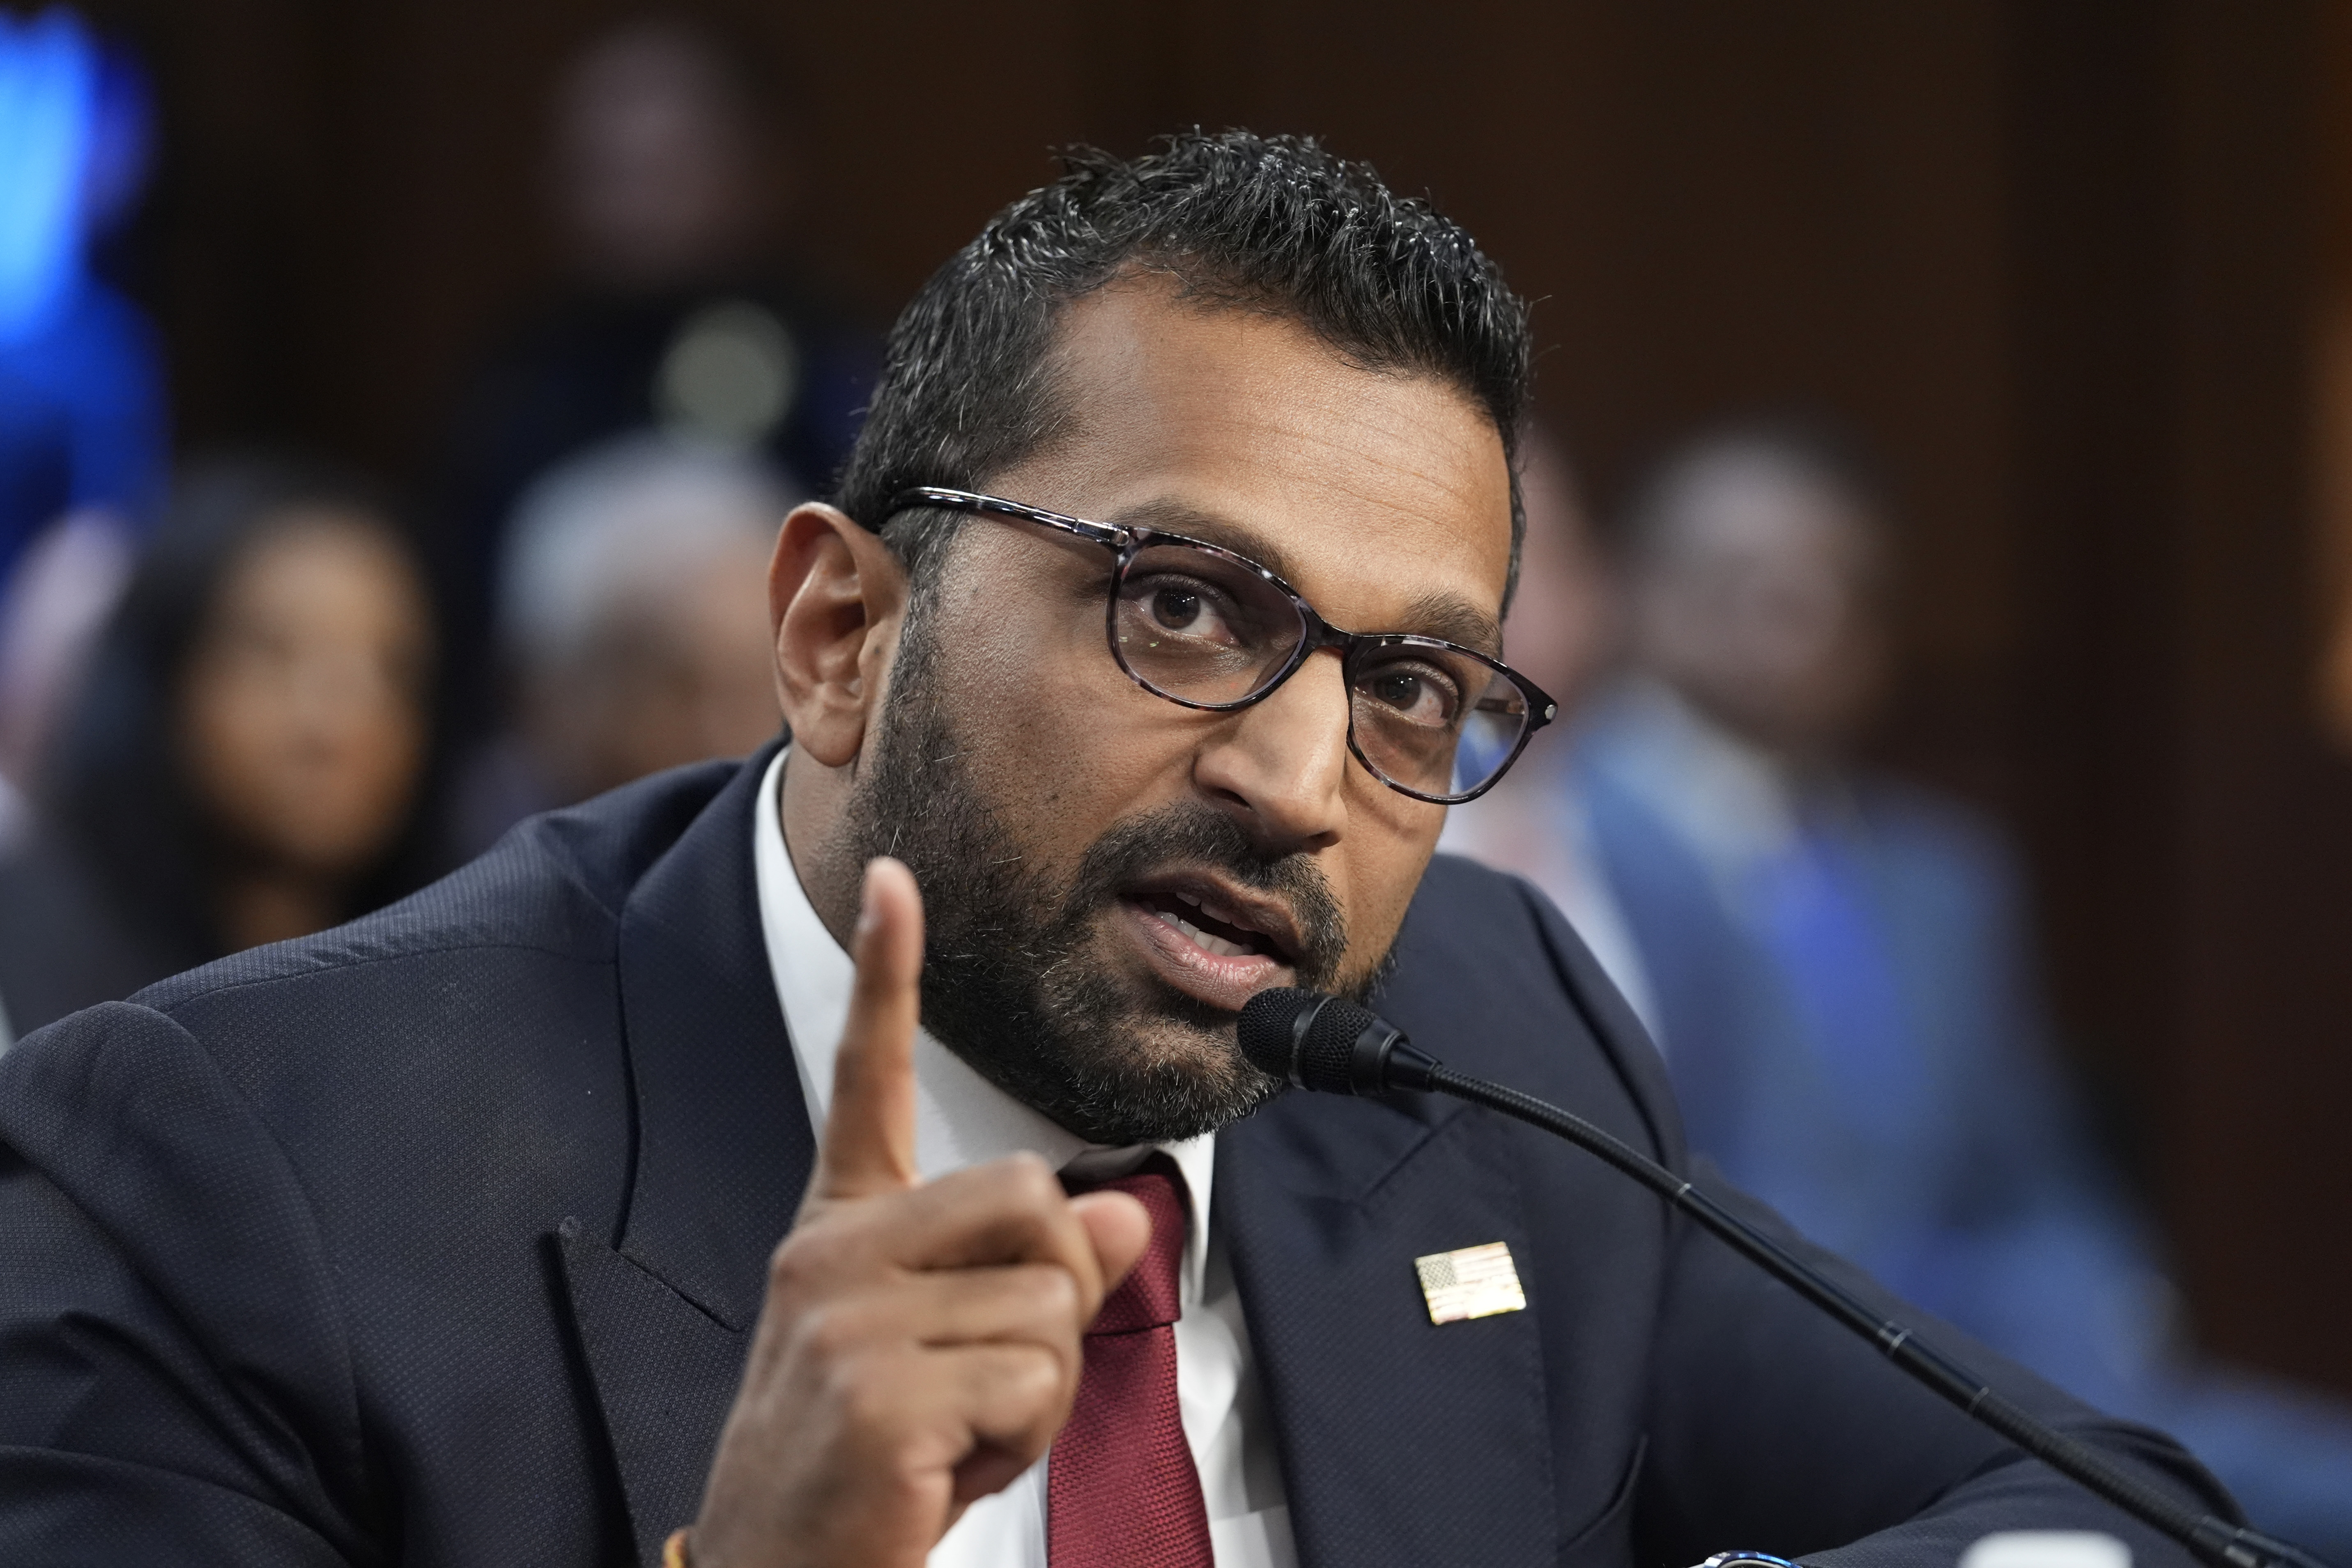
(1455, 621)
(1179, 517)
(1442, 616)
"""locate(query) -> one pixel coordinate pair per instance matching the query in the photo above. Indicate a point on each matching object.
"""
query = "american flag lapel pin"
(1470, 1283)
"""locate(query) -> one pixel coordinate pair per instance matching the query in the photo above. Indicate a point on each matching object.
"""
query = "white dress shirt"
(962, 1119)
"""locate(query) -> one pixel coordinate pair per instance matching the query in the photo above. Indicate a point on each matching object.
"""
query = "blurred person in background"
(1837, 965)
(1562, 630)
(633, 615)
(670, 191)
(82, 439)
(244, 760)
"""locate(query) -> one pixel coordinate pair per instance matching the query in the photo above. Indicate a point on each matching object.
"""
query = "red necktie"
(1120, 1488)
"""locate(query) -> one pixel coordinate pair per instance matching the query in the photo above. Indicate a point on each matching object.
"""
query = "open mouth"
(1212, 939)
(1211, 925)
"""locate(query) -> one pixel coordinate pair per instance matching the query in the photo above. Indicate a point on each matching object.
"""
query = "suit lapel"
(665, 1374)
(663, 1312)
(1402, 1441)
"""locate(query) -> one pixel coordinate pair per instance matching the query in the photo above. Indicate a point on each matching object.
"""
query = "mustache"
(1194, 833)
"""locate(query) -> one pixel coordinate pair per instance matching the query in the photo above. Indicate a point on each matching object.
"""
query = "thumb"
(870, 1130)
(1120, 1229)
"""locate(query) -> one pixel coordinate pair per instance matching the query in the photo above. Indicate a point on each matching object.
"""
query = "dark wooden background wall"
(2059, 257)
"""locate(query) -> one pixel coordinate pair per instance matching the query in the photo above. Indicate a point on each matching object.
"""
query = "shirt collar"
(961, 1118)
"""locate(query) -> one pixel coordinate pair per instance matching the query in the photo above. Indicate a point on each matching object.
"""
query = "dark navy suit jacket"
(437, 1239)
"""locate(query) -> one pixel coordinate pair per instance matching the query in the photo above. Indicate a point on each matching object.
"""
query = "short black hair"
(1253, 222)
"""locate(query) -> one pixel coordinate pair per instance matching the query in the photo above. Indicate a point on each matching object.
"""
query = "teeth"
(1206, 942)
(1217, 912)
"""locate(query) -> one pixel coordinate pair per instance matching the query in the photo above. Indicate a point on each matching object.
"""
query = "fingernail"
(866, 915)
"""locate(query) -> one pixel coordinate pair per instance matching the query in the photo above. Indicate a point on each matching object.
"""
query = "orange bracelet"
(674, 1550)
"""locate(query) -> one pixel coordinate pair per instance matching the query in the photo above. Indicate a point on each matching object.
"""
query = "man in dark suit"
(616, 1186)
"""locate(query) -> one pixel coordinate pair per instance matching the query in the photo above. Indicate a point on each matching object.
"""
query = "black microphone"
(1333, 1046)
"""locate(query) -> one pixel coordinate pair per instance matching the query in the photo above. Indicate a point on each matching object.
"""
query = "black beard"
(1012, 982)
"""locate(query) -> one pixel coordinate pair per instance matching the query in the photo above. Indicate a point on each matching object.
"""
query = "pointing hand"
(919, 1343)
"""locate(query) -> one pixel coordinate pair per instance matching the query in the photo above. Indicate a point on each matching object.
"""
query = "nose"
(1281, 765)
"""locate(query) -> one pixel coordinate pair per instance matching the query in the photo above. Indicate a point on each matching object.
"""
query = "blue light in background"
(83, 423)
(48, 93)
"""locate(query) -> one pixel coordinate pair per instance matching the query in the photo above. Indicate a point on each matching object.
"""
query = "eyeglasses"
(1209, 629)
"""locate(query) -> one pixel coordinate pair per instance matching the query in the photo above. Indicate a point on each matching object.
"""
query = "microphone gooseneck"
(1331, 1045)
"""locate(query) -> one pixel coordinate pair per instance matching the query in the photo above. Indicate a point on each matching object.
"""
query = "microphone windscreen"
(1323, 1057)
(1268, 1019)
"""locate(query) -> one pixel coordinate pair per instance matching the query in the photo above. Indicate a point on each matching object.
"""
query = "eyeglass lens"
(1204, 627)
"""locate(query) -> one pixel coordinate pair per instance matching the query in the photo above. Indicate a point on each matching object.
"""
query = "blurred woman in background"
(246, 761)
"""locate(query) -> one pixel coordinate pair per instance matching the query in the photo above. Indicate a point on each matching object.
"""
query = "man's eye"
(1182, 608)
(1418, 695)
(1177, 609)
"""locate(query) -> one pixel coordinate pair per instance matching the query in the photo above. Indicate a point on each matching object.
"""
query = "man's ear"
(835, 595)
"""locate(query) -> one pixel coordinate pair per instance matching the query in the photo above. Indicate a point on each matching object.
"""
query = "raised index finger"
(870, 1130)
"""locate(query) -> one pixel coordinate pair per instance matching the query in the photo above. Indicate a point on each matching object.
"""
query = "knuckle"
(1053, 1292)
(818, 1256)
(868, 1396)
(1032, 1378)
(832, 1334)
(1031, 1182)
(796, 1263)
